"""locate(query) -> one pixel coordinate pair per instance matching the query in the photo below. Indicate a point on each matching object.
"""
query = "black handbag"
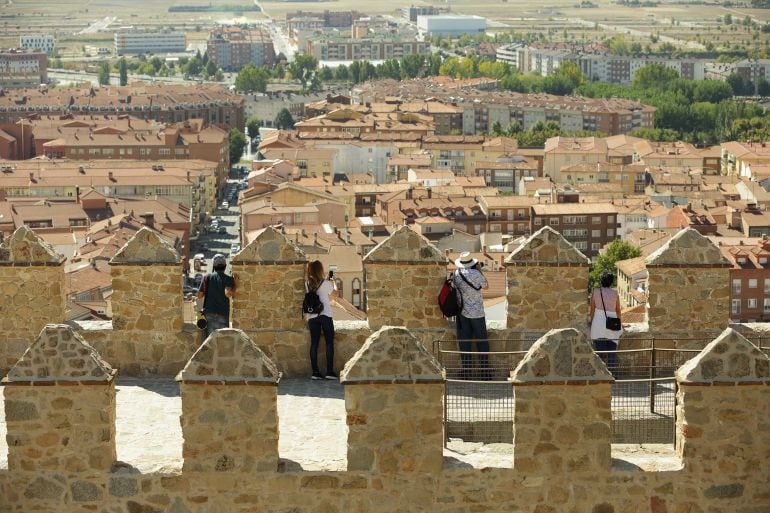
(611, 323)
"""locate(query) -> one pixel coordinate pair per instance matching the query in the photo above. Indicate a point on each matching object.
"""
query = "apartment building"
(678, 154)
(451, 25)
(42, 42)
(509, 215)
(506, 172)
(21, 67)
(483, 108)
(334, 46)
(595, 61)
(336, 19)
(191, 183)
(626, 179)
(355, 123)
(129, 40)
(232, 47)
(745, 159)
(589, 226)
(214, 104)
(749, 279)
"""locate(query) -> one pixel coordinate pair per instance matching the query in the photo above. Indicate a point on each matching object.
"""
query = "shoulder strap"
(471, 285)
(602, 296)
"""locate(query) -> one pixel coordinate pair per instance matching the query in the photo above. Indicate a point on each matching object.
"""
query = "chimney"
(430, 192)
(371, 234)
(188, 176)
(149, 219)
(110, 176)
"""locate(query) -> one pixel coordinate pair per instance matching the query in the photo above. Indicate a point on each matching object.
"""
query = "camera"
(331, 274)
(201, 321)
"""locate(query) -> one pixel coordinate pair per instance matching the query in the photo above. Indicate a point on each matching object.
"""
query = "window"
(596, 234)
(581, 244)
(179, 151)
(736, 286)
(735, 308)
(610, 219)
(356, 292)
(554, 221)
(538, 221)
(596, 246)
(752, 303)
(164, 152)
(767, 285)
(596, 220)
(752, 283)
(610, 232)
(767, 306)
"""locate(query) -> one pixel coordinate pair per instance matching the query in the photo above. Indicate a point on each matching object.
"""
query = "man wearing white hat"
(471, 323)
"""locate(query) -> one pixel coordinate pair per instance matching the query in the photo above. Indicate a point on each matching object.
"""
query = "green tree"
(252, 127)
(104, 73)
(252, 79)
(303, 68)
(654, 76)
(341, 73)
(284, 120)
(123, 71)
(211, 68)
(616, 250)
(237, 144)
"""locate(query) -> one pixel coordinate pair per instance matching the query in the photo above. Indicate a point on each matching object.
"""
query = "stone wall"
(689, 285)
(547, 283)
(146, 278)
(547, 288)
(31, 292)
(721, 467)
(404, 274)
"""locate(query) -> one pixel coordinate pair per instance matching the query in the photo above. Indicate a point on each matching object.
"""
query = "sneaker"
(332, 375)
(317, 375)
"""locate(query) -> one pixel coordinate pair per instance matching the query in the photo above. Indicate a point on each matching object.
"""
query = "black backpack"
(312, 303)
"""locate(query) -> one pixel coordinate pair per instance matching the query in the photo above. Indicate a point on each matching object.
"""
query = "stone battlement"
(547, 288)
(60, 416)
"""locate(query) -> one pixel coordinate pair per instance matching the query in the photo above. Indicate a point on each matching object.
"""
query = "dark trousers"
(609, 359)
(469, 330)
(316, 325)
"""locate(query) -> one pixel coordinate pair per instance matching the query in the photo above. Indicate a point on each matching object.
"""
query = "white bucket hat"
(466, 260)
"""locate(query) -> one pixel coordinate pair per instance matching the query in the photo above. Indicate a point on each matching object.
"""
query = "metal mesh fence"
(479, 398)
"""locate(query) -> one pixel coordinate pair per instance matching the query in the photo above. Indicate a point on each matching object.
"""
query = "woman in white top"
(322, 322)
(605, 302)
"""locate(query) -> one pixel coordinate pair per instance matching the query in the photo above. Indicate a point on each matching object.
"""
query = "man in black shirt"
(216, 290)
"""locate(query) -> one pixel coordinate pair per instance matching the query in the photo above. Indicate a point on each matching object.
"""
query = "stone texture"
(688, 282)
(547, 283)
(729, 358)
(405, 245)
(229, 355)
(392, 354)
(60, 354)
(229, 428)
(24, 246)
(270, 246)
(147, 299)
(561, 355)
(405, 257)
(31, 292)
(271, 262)
(547, 246)
(146, 246)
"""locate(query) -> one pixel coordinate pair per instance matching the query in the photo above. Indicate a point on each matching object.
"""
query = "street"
(213, 242)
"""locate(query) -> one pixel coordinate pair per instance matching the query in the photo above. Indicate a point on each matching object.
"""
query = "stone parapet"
(565, 426)
(688, 284)
(393, 400)
(229, 406)
(60, 406)
(146, 285)
(547, 283)
(31, 292)
(404, 274)
(270, 284)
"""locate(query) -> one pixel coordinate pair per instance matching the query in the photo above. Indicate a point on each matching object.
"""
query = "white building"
(42, 42)
(129, 40)
(454, 25)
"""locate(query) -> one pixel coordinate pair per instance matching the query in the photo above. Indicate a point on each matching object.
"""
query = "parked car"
(234, 248)
(225, 205)
(222, 229)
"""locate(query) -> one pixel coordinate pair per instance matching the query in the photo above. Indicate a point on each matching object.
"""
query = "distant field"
(559, 21)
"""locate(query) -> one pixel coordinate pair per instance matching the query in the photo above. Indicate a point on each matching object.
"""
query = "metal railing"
(479, 399)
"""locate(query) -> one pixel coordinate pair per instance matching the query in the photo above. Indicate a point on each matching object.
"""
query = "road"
(280, 41)
(97, 26)
(81, 76)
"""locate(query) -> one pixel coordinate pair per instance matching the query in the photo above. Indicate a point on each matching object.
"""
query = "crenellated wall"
(560, 464)
(547, 281)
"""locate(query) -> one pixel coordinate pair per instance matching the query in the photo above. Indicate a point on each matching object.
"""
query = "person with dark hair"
(321, 322)
(605, 302)
(471, 321)
(216, 290)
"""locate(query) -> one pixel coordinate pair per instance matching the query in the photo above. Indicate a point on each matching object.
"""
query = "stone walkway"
(313, 432)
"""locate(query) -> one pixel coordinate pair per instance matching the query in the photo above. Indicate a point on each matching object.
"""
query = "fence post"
(653, 375)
